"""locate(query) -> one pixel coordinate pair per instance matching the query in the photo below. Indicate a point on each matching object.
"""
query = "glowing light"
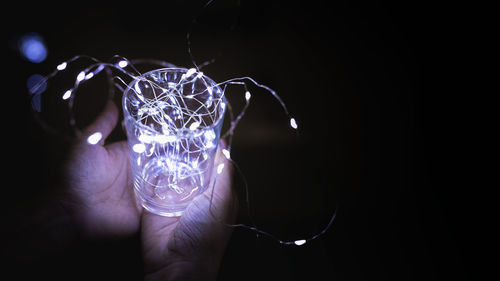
(62, 66)
(139, 147)
(220, 168)
(300, 242)
(80, 76)
(210, 135)
(164, 138)
(146, 138)
(94, 138)
(174, 141)
(170, 138)
(226, 153)
(32, 48)
(88, 76)
(137, 88)
(190, 72)
(209, 144)
(194, 126)
(293, 123)
(122, 63)
(67, 95)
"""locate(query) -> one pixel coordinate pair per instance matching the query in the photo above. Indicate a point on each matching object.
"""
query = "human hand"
(99, 182)
(191, 247)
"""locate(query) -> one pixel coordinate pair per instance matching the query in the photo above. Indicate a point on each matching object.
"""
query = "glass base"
(167, 191)
(158, 209)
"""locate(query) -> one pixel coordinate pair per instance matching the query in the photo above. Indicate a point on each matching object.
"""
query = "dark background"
(382, 132)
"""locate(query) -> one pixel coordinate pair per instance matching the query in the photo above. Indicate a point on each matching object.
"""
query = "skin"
(101, 198)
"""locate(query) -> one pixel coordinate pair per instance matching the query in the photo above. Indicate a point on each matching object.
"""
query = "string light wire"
(150, 109)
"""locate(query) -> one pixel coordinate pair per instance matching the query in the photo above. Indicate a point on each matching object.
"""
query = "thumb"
(104, 123)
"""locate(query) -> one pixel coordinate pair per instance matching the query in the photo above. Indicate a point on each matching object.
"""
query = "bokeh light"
(32, 47)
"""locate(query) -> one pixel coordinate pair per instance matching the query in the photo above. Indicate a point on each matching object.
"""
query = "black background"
(382, 131)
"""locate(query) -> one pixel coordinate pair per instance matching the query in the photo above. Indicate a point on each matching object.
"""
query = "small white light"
(209, 144)
(164, 129)
(137, 89)
(195, 163)
(94, 138)
(300, 242)
(189, 96)
(164, 138)
(80, 76)
(190, 72)
(199, 75)
(171, 138)
(195, 125)
(122, 63)
(90, 75)
(161, 139)
(293, 123)
(146, 138)
(67, 95)
(139, 147)
(248, 95)
(220, 168)
(226, 153)
(210, 135)
(62, 66)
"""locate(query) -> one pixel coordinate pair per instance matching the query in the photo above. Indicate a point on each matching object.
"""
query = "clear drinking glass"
(173, 118)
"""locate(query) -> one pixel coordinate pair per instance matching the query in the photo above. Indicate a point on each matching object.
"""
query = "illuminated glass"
(172, 137)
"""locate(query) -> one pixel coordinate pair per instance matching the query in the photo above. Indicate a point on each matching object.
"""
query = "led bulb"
(67, 95)
(139, 148)
(90, 75)
(220, 168)
(94, 138)
(293, 123)
(194, 126)
(80, 76)
(226, 153)
(300, 242)
(122, 63)
(190, 72)
(62, 66)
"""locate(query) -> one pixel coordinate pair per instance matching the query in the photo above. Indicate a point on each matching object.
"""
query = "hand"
(191, 247)
(98, 178)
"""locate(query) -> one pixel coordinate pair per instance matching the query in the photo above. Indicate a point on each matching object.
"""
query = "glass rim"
(200, 129)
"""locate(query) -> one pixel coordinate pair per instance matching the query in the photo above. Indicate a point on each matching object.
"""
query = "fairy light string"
(156, 109)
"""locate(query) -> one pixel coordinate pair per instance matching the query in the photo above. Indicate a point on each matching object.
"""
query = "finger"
(104, 123)
(156, 232)
(199, 232)
(222, 201)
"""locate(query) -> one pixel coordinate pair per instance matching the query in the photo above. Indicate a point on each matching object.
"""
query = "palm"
(190, 246)
(100, 183)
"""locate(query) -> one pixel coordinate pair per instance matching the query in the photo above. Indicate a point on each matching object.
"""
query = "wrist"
(185, 271)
